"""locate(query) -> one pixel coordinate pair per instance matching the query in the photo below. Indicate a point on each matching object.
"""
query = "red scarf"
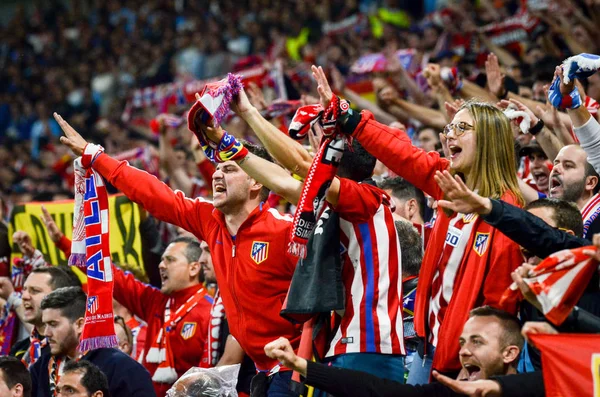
(558, 282)
(160, 352)
(35, 347)
(322, 170)
(99, 327)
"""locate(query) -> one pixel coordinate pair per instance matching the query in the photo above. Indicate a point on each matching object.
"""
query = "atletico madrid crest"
(188, 330)
(92, 304)
(481, 243)
(260, 251)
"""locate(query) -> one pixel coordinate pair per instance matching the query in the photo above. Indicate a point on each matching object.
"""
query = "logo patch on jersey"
(481, 243)
(347, 340)
(468, 218)
(453, 236)
(92, 304)
(188, 330)
(260, 251)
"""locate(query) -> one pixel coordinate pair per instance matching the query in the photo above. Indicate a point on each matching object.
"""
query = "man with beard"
(180, 310)
(574, 179)
(39, 283)
(538, 167)
(63, 312)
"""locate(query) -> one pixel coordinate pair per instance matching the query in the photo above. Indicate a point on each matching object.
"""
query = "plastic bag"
(207, 382)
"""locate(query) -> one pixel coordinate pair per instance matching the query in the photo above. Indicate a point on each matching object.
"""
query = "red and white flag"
(571, 364)
(558, 282)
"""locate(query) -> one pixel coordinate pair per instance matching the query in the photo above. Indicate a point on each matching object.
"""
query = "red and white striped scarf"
(92, 248)
(217, 316)
(558, 282)
(589, 213)
(160, 353)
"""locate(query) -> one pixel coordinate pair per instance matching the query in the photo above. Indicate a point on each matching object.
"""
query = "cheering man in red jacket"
(247, 239)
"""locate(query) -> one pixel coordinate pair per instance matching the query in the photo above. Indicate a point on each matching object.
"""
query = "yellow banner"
(125, 239)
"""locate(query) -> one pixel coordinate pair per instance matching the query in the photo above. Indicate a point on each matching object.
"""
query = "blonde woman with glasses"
(467, 263)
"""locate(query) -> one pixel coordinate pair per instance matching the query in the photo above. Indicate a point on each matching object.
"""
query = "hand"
(323, 88)
(537, 327)
(517, 276)
(432, 73)
(6, 287)
(549, 114)
(281, 350)
(213, 133)
(452, 108)
(478, 388)
(254, 99)
(462, 199)
(594, 254)
(495, 78)
(53, 230)
(565, 89)
(503, 104)
(72, 138)
(23, 240)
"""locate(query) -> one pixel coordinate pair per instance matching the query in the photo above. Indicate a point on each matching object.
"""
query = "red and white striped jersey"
(372, 274)
(457, 239)
(590, 214)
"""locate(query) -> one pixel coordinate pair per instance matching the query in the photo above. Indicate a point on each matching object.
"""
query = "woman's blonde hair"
(494, 170)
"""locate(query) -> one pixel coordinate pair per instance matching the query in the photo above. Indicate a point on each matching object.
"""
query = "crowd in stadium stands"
(378, 213)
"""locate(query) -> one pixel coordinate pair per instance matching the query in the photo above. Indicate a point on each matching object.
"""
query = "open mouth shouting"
(541, 178)
(218, 189)
(474, 371)
(164, 276)
(556, 186)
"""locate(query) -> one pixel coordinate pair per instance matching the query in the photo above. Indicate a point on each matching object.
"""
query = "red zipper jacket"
(481, 279)
(253, 269)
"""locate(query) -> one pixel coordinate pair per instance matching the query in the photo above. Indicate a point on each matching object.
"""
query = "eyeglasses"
(121, 321)
(458, 128)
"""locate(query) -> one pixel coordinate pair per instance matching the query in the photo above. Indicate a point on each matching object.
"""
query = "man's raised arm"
(139, 186)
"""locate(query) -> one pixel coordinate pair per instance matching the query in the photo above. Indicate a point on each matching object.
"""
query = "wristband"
(90, 153)
(230, 149)
(14, 300)
(537, 127)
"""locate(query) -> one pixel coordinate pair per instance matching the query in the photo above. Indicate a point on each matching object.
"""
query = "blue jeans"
(279, 385)
(386, 366)
(420, 369)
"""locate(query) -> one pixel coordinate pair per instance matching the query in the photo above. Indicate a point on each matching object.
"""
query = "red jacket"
(481, 279)
(148, 303)
(253, 269)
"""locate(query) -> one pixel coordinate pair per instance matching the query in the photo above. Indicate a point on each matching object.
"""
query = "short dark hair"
(192, 250)
(69, 300)
(60, 276)
(511, 324)
(411, 248)
(93, 378)
(261, 152)
(14, 372)
(357, 164)
(591, 171)
(404, 190)
(566, 215)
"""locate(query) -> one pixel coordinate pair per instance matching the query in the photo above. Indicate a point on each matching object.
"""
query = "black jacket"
(348, 383)
(126, 377)
(529, 231)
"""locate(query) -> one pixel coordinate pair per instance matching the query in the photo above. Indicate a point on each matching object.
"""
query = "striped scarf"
(91, 246)
(160, 353)
(558, 282)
